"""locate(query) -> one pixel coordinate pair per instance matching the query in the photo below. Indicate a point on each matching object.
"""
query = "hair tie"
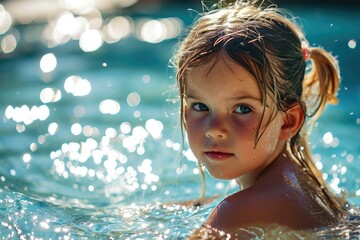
(305, 53)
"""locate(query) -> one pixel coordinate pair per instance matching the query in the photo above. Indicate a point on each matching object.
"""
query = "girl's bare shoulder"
(281, 196)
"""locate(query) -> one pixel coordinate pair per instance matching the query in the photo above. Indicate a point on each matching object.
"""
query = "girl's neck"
(247, 180)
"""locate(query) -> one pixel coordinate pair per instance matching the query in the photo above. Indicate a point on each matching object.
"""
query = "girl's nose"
(217, 128)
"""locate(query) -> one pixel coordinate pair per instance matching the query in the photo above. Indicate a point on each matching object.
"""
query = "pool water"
(91, 147)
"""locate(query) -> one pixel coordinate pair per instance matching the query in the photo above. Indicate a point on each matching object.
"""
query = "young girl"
(245, 97)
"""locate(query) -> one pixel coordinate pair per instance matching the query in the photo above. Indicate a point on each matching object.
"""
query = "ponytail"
(320, 87)
(321, 84)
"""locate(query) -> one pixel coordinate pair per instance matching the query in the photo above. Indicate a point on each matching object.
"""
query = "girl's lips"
(218, 156)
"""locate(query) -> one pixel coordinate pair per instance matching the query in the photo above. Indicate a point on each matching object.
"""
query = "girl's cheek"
(271, 137)
(191, 125)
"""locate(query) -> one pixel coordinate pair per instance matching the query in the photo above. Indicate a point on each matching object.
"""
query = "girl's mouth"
(218, 156)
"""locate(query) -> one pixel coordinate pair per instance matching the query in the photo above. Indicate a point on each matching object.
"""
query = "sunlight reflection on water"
(85, 24)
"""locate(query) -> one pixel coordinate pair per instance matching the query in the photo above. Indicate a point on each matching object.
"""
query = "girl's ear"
(293, 120)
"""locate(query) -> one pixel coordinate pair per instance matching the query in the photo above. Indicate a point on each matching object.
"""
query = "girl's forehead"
(222, 70)
(221, 77)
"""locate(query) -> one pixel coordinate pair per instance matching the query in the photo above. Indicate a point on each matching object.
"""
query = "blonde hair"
(268, 43)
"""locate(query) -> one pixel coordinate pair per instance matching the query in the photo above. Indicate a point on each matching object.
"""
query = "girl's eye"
(200, 107)
(243, 109)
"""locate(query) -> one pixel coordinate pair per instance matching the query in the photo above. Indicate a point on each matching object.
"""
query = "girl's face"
(223, 108)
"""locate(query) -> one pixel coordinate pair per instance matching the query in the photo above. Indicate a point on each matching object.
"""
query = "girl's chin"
(221, 176)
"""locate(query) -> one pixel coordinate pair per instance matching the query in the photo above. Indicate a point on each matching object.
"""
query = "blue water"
(120, 175)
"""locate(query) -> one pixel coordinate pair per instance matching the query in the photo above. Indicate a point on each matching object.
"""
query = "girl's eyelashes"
(242, 109)
(200, 107)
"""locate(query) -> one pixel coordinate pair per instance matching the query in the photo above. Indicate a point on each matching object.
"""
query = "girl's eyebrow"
(190, 96)
(237, 98)
(245, 97)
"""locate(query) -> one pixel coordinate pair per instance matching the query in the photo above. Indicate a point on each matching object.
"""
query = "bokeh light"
(27, 115)
(352, 44)
(154, 127)
(48, 63)
(83, 21)
(48, 95)
(125, 127)
(77, 6)
(8, 43)
(77, 86)
(67, 24)
(91, 40)
(328, 138)
(26, 157)
(109, 106)
(133, 99)
(53, 128)
(158, 30)
(5, 20)
(153, 31)
(76, 129)
(117, 28)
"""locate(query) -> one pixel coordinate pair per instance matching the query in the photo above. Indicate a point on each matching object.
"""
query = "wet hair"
(268, 43)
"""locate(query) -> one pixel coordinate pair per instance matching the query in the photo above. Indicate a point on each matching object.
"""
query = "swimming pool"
(90, 140)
